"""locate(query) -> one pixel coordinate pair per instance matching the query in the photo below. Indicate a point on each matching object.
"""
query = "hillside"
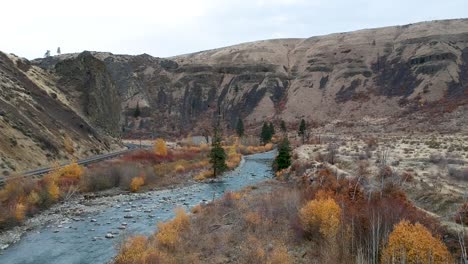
(37, 117)
(376, 79)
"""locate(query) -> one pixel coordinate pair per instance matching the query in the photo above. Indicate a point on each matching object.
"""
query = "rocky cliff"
(39, 116)
(386, 75)
(404, 77)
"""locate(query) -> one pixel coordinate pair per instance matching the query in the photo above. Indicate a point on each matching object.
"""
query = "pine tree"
(58, 51)
(217, 154)
(240, 128)
(302, 130)
(137, 112)
(265, 135)
(272, 129)
(283, 159)
(283, 126)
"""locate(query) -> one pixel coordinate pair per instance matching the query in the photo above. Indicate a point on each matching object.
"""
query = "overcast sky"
(173, 27)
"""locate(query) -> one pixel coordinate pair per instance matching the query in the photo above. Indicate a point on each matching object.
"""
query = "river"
(82, 240)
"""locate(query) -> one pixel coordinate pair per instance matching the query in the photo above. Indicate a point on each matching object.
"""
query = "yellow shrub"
(204, 147)
(179, 169)
(323, 214)
(136, 183)
(133, 251)
(72, 171)
(279, 255)
(53, 190)
(414, 244)
(268, 147)
(169, 232)
(160, 147)
(20, 211)
(33, 198)
(204, 175)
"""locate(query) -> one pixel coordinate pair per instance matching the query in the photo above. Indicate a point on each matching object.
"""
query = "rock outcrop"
(376, 75)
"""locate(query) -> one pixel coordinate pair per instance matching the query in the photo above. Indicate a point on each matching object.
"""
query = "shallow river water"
(82, 240)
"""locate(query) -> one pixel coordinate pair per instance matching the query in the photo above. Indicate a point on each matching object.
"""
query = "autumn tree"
(322, 214)
(217, 154)
(240, 128)
(410, 243)
(160, 147)
(283, 159)
(302, 130)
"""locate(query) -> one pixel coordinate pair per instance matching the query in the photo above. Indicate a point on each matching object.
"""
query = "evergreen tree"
(283, 159)
(302, 130)
(283, 126)
(217, 154)
(265, 135)
(272, 129)
(58, 51)
(137, 112)
(240, 128)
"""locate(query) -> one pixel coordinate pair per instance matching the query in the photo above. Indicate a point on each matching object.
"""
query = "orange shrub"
(20, 211)
(321, 214)
(410, 243)
(136, 183)
(160, 147)
(169, 232)
(179, 169)
(132, 251)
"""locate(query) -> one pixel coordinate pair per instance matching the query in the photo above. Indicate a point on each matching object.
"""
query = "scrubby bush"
(322, 214)
(160, 147)
(169, 232)
(409, 243)
(136, 183)
(132, 251)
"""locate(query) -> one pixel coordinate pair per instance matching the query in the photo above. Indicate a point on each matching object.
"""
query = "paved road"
(42, 171)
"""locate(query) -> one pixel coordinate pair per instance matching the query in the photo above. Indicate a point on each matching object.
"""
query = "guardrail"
(83, 162)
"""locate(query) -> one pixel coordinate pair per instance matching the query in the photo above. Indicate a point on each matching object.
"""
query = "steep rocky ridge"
(36, 117)
(392, 75)
(375, 74)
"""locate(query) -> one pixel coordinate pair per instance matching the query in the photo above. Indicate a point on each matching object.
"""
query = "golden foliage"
(33, 198)
(53, 189)
(132, 251)
(204, 175)
(179, 168)
(323, 214)
(20, 211)
(169, 232)
(160, 147)
(410, 243)
(136, 183)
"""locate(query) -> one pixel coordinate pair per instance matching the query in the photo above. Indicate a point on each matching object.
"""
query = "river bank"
(76, 231)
